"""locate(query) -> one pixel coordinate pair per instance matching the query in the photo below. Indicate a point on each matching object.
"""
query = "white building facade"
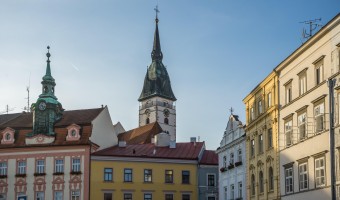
(231, 159)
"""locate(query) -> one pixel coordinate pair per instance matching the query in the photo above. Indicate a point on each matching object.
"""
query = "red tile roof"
(185, 151)
(141, 135)
(22, 124)
(209, 158)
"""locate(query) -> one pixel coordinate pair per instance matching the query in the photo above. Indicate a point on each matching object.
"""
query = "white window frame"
(240, 189)
(232, 191)
(289, 182)
(269, 99)
(319, 67)
(302, 125)
(39, 195)
(260, 143)
(75, 195)
(252, 148)
(319, 112)
(59, 165)
(260, 107)
(252, 113)
(21, 167)
(319, 169)
(270, 138)
(214, 175)
(303, 176)
(3, 168)
(40, 166)
(76, 165)
(288, 91)
(289, 132)
(58, 195)
(302, 83)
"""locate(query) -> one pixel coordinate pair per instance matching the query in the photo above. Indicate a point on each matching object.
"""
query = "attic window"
(8, 136)
(73, 132)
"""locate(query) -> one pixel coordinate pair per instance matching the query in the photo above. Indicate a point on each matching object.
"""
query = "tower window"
(166, 121)
(147, 121)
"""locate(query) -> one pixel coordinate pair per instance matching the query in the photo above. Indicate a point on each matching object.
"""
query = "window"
(260, 107)
(232, 188)
(107, 196)
(40, 196)
(75, 195)
(169, 176)
(288, 89)
(148, 175)
(127, 175)
(8, 136)
(303, 176)
(240, 190)
(147, 121)
(320, 172)
(58, 195)
(231, 158)
(302, 83)
(22, 167)
(225, 193)
(40, 166)
(252, 113)
(224, 161)
(252, 148)
(147, 196)
(169, 197)
(76, 165)
(270, 138)
(319, 117)
(269, 99)
(59, 166)
(271, 178)
(252, 184)
(240, 155)
(289, 132)
(127, 196)
(185, 177)
(302, 126)
(318, 73)
(289, 179)
(108, 174)
(211, 179)
(185, 196)
(166, 120)
(261, 182)
(261, 143)
(3, 168)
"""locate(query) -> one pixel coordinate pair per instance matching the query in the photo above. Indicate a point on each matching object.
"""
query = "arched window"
(147, 121)
(252, 184)
(261, 183)
(271, 178)
(8, 136)
(166, 120)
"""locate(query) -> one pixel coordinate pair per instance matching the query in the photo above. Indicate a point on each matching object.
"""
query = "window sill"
(3, 176)
(39, 174)
(75, 172)
(58, 173)
(148, 182)
(20, 175)
(107, 181)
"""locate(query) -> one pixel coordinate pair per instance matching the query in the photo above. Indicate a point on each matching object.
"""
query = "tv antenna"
(313, 25)
(7, 109)
(27, 109)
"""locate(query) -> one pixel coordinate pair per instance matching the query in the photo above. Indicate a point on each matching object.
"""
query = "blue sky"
(215, 51)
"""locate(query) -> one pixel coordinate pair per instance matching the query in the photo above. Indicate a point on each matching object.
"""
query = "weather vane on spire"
(157, 11)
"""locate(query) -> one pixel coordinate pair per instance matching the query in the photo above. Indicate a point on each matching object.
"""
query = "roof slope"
(141, 135)
(209, 158)
(186, 151)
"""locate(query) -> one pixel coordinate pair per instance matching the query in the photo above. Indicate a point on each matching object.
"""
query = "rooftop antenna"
(313, 25)
(27, 109)
(7, 109)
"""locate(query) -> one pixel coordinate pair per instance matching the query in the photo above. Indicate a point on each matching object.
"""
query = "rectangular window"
(231, 159)
(127, 196)
(252, 148)
(127, 175)
(289, 180)
(59, 166)
(232, 191)
(107, 196)
(320, 172)
(288, 133)
(302, 83)
(319, 116)
(185, 196)
(148, 175)
(225, 193)
(22, 167)
(185, 177)
(302, 126)
(269, 99)
(211, 179)
(270, 138)
(40, 166)
(75, 195)
(58, 195)
(318, 72)
(260, 143)
(40, 196)
(260, 107)
(76, 165)
(147, 196)
(3, 168)
(288, 89)
(303, 176)
(169, 176)
(240, 190)
(108, 174)
(240, 155)
(169, 197)
(252, 113)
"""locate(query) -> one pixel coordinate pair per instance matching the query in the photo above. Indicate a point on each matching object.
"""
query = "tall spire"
(156, 51)
(48, 68)
(48, 81)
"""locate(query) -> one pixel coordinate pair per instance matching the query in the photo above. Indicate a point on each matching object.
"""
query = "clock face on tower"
(42, 106)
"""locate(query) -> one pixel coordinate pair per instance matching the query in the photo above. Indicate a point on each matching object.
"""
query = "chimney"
(154, 151)
(172, 145)
(122, 144)
(193, 139)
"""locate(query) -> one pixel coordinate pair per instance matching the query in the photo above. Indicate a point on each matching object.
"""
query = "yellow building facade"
(136, 174)
(262, 158)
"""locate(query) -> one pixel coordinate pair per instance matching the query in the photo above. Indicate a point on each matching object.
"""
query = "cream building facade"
(262, 159)
(304, 115)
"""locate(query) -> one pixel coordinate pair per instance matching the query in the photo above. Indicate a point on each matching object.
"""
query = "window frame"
(58, 167)
(75, 165)
(40, 166)
(269, 138)
(147, 175)
(147, 196)
(303, 174)
(127, 196)
(320, 168)
(211, 182)
(128, 175)
(252, 148)
(75, 194)
(3, 168)
(271, 179)
(302, 121)
(22, 165)
(169, 177)
(108, 174)
(289, 187)
(240, 189)
(288, 128)
(288, 92)
(261, 182)
(302, 82)
(319, 111)
(260, 141)
(185, 177)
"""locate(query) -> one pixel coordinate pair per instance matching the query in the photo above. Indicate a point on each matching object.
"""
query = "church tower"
(157, 101)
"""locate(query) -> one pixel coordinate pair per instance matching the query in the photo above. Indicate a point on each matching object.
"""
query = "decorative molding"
(318, 60)
(319, 98)
(288, 165)
(322, 153)
(40, 139)
(301, 109)
(302, 71)
(8, 136)
(302, 160)
(288, 116)
(73, 132)
(289, 81)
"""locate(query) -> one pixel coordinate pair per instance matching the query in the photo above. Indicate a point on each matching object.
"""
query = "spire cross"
(231, 110)
(157, 11)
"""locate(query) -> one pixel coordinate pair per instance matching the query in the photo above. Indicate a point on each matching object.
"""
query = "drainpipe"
(331, 83)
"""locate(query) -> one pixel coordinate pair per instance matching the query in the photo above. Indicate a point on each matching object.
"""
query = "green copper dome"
(157, 80)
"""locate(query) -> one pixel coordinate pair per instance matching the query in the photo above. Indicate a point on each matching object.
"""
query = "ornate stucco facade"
(262, 173)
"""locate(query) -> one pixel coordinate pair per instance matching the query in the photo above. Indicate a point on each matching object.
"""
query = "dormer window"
(73, 132)
(7, 136)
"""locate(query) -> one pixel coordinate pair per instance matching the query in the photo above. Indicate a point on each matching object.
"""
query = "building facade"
(261, 140)
(45, 154)
(231, 159)
(304, 131)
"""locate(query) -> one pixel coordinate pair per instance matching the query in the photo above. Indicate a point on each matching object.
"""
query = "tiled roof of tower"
(141, 135)
(209, 158)
(22, 124)
(186, 151)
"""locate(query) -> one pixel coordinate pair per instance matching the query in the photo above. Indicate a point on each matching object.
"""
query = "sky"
(215, 51)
